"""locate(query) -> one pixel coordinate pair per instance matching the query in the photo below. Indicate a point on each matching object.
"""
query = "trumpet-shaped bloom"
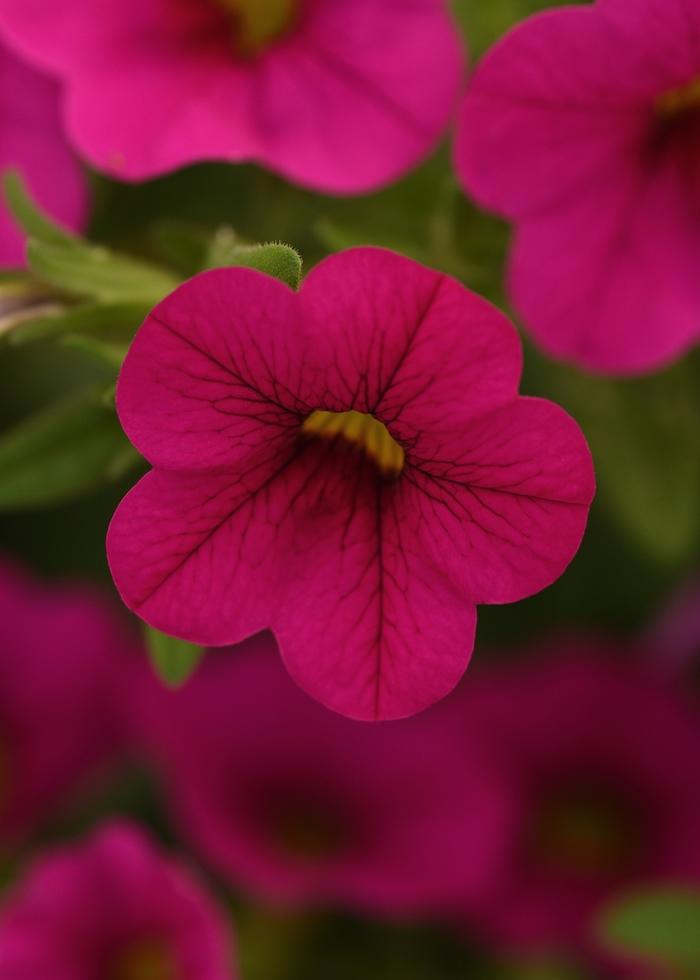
(112, 906)
(64, 665)
(302, 807)
(32, 141)
(349, 465)
(339, 95)
(599, 756)
(582, 126)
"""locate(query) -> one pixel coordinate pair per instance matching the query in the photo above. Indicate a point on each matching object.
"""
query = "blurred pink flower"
(602, 757)
(302, 807)
(112, 906)
(349, 465)
(673, 639)
(32, 141)
(64, 660)
(339, 95)
(583, 127)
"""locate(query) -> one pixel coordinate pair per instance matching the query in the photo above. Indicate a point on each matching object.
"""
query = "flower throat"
(146, 961)
(362, 431)
(679, 101)
(257, 23)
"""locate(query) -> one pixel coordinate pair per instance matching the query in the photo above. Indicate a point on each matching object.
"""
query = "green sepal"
(274, 258)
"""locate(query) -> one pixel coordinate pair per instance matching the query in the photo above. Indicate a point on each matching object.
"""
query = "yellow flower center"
(680, 100)
(146, 961)
(360, 430)
(257, 23)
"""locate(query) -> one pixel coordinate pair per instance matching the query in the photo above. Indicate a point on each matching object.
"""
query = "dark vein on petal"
(380, 597)
(220, 364)
(267, 483)
(409, 345)
(475, 487)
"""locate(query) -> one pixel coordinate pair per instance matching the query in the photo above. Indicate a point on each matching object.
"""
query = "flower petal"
(501, 510)
(624, 258)
(663, 36)
(194, 554)
(551, 106)
(32, 141)
(212, 374)
(365, 625)
(360, 94)
(406, 343)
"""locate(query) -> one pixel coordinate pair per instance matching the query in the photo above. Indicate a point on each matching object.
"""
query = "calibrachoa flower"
(349, 465)
(339, 95)
(583, 127)
(112, 906)
(302, 807)
(601, 756)
(32, 141)
(64, 664)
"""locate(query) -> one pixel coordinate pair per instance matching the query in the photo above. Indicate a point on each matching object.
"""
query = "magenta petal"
(661, 37)
(369, 628)
(191, 554)
(405, 343)
(32, 141)
(550, 106)
(362, 94)
(627, 296)
(501, 511)
(211, 377)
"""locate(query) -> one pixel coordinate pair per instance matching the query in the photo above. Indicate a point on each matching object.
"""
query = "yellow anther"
(363, 431)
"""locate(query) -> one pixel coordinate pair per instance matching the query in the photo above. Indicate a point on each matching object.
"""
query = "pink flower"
(602, 758)
(302, 807)
(582, 126)
(32, 141)
(112, 906)
(64, 662)
(349, 465)
(339, 95)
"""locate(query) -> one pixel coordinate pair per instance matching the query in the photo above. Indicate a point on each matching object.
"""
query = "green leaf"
(275, 259)
(111, 354)
(661, 924)
(117, 321)
(174, 660)
(645, 438)
(62, 452)
(28, 216)
(181, 245)
(97, 273)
